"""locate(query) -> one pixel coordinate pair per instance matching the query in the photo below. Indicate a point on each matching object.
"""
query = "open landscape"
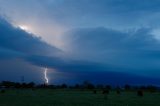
(67, 97)
(79, 52)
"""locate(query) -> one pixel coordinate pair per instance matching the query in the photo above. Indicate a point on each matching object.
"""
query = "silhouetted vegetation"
(3, 91)
(127, 87)
(95, 91)
(140, 93)
(63, 86)
(88, 85)
(9, 84)
(105, 93)
(105, 89)
(118, 92)
(108, 87)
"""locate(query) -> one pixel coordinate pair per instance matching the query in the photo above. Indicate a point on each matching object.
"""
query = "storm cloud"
(86, 38)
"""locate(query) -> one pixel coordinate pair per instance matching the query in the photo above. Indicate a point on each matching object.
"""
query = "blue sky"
(78, 40)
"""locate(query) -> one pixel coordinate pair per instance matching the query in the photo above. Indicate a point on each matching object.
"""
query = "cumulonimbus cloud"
(89, 43)
(16, 39)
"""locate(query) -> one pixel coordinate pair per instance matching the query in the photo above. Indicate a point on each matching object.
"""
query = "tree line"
(84, 85)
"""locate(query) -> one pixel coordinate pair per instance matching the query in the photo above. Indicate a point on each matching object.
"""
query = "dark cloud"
(116, 14)
(108, 38)
(78, 71)
(17, 40)
(13, 69)
(137, 49)
(16, 43)
(91, 44)
(114, 78)
(99, 52)
(110, 13)
(16, 46)
(7, 54)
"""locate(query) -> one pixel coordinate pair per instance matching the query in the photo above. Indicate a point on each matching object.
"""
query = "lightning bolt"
(45, 76)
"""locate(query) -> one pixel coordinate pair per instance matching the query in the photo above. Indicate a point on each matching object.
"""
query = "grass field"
(47, 97)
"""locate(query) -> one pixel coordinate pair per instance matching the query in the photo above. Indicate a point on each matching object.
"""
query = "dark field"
(47, 97)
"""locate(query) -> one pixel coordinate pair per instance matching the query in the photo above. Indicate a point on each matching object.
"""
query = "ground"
(48, 97)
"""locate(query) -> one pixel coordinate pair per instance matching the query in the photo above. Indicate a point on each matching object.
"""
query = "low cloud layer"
(136, 50)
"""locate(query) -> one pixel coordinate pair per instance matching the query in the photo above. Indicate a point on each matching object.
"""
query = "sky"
(103, 41)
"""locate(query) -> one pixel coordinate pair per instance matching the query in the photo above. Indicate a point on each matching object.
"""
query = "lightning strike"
(45, 76)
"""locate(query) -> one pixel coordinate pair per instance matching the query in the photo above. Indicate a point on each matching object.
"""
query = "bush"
(3, 91)
(140, 93)
(94, 91)
(105, 91)
(118, 92)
